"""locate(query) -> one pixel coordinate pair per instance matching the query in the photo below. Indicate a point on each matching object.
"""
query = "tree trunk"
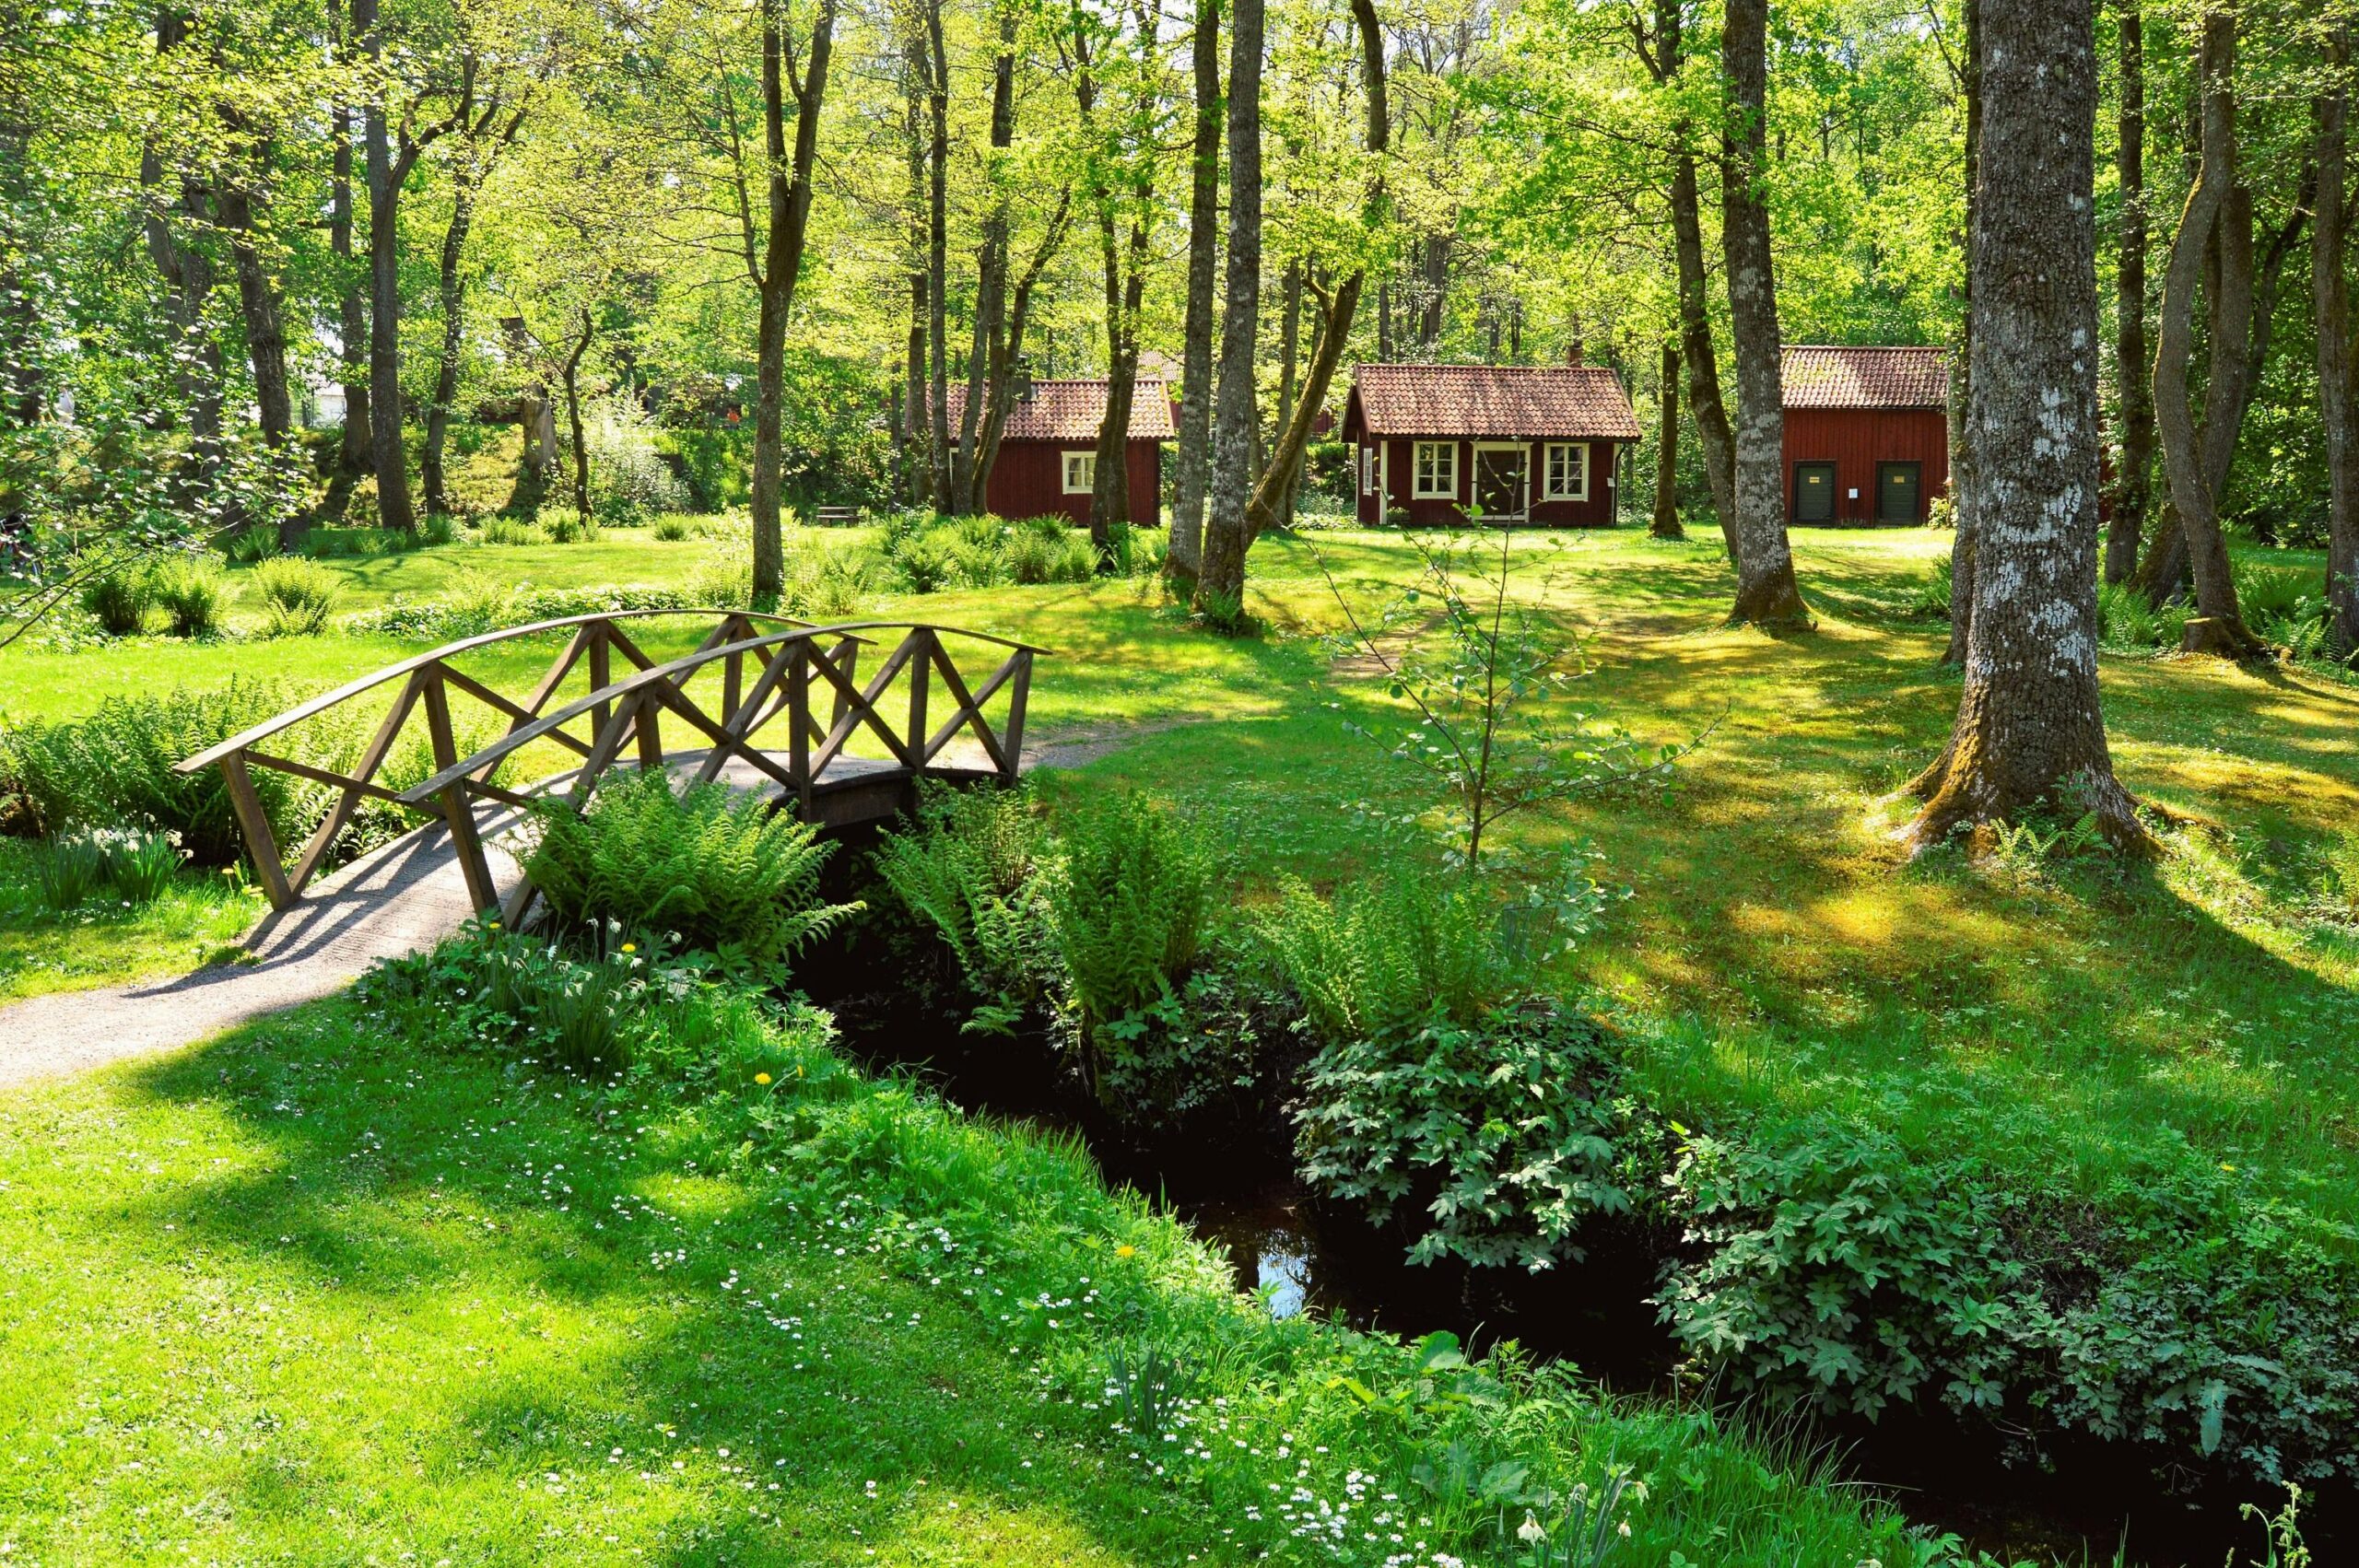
(2337, 394)
(573, 414)
(918, 477)
(2133, 491)
(387, 173)
(788, 193)
(2029, 731)
(355, 456)
(446, 370)
(2215, 204)
(990, 282)
(1289, 356)
(1284, 467)
(1194, 456)
(1220, 582)
(937, 262)
(1963, 521)
(238, 200)
(1011, 350)
(1711, 415)
(1666, 524)
(1109, 501)
(1766, 593)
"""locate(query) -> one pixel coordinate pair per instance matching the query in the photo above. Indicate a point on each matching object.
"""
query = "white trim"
(1383, 477)
(1088, 484)
(1367, 470)
(1549, 492)
(1522, 449)
(1418, 489)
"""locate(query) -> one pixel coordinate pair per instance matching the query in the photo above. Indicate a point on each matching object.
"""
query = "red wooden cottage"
(1531, 444)
(1867, 432)
(1048, 454)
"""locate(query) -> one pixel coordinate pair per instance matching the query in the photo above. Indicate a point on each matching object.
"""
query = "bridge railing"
(771, 668)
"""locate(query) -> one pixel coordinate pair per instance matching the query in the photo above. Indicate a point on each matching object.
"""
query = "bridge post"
(261, 845)
(921, 673)
(458, 810)
(1012, 732)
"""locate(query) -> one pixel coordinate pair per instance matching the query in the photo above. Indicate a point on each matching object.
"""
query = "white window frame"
(1368, 471)
(1088, 465)
(1445, 455)
(1549, 489)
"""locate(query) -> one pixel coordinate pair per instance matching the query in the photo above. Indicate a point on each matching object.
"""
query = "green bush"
(511, 530)
(2179, 1308)
(1499, 1138)
(192, 595)
(720, 868)
(119, 600)
(671, 528)
(68, 870)
(926, 562)
(503, 987)
(2127, 623)
(1390, 954)
(296, 595)
(139, 866)
(248, 545)
(968, 870)
(1131, 908)
(114, 769)
(1046, 549)
(1932, 601)
(569, 527)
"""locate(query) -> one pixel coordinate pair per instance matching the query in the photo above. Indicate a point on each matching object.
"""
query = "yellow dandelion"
(761, 1078)
(630, 947)
(1126, 1250)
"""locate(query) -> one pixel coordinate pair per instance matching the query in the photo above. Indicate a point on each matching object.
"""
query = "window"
(1081, 474)
(1368, 471)
(1437, 471)
(1567, 474)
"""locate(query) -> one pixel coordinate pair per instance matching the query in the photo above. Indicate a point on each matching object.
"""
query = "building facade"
(1047, 453)
(1436, 445)
(1867, 433)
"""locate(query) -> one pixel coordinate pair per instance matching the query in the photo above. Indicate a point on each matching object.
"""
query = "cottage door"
(1502, 480)
(1814, 491)
(1896, 487)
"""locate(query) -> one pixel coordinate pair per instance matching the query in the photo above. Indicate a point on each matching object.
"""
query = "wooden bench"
(835, 517)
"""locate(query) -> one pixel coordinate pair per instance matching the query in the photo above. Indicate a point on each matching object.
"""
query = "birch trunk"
(990, 281)
(937, 255)
(388, 171)
(2029, 731)
(354, 453)
(1962, 545)
(1709, 412)
(1195, 455)
(1766, 593)
(453, 295)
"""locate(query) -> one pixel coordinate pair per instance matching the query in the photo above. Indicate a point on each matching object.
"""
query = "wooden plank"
(798, 725)
(970, 714)
(603, 751)
(861, 708)
(482, 892)
(261, 845)
(600, 676)
(920, 688)
(372, 757)
(518, 715)
(1012, 732)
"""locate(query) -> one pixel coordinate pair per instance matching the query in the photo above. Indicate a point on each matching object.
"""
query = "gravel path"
(404, 897)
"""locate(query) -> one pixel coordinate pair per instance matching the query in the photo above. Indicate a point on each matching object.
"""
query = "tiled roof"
(1071, 411)
(1570, 400)
(1817, 376)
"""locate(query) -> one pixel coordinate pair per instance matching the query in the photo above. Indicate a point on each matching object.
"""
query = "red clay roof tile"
(1826, 376)
(1072, 410)
(1568, 401)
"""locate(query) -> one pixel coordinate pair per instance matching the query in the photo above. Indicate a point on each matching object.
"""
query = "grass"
(1779, 954)
(318, 1292)
(198, 920)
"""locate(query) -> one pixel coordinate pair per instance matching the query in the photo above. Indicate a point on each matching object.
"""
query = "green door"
(1814, 491)
(1898, 485)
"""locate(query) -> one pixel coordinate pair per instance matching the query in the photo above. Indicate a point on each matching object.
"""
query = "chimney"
(1573, 352)
(1024, 379)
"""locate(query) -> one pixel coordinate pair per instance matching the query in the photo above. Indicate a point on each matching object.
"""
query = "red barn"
(1867, 432)
(1048, 454)
(1529, 444)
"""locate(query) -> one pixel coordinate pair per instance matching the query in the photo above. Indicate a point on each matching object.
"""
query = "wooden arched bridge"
(763, 702)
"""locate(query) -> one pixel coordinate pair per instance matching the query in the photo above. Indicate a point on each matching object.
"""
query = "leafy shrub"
(1046, 549)
(1390, 954)
(114, 769)
(1199, 1054)
(511, 530)
(968, 868)
(139, 866)
(504, 988)
(68, 870)
(2175, 1308)
(298, 595)
(2339, 879)
(926, 562)
(719, 868)
(671, 528)
(1138, 551)
(567, 528)
(1132, 907)
(191, 594)
(2127, 623)
(248, 545)
(119, 600)
(627, 465)
(1933, 594)
(1502, 1130)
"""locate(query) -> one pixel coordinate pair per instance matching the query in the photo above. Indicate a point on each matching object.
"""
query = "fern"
(1132, 907)
(716, 867)
(1389, 956)
(972, 868)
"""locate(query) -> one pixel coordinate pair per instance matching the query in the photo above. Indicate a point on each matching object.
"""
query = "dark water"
(2068, 1502)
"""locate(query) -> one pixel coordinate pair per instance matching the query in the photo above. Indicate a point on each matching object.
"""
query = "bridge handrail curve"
(517, 739)
(246, 740)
